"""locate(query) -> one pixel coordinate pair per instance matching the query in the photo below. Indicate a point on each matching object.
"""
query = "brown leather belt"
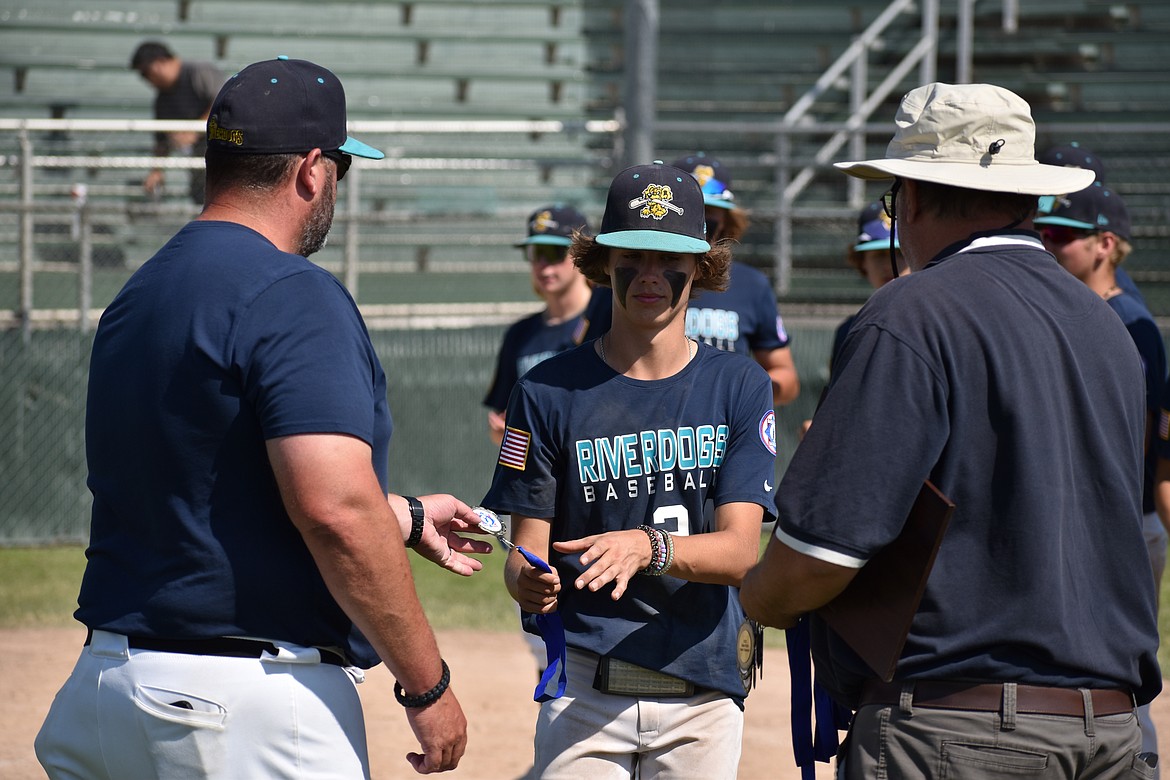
(988, 697)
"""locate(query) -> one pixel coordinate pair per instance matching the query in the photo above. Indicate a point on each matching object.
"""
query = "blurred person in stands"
(574, 310)
(744, 317)
(1015, 390)
(185, 90)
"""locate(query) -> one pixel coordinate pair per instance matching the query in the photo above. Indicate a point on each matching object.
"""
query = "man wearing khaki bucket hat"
(1018, 393)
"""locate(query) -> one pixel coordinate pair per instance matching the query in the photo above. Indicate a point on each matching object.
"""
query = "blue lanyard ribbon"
(808, 698)
(552, 630)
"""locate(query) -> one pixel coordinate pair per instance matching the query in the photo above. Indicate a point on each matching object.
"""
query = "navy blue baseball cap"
(655, 207)
(713, 178)
(1094, 208)
(282, 106)
(554, 225)
(1074, 155)
(873, 229)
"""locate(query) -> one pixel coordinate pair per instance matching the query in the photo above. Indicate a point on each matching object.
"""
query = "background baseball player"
(574, 310)
(743, 318)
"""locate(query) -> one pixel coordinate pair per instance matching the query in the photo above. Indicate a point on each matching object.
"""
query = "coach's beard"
(315, 232)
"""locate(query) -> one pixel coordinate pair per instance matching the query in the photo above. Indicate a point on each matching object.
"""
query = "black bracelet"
(417, 521)
(423, 699)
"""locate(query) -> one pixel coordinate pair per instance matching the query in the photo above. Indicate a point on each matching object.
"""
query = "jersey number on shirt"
(674, 519)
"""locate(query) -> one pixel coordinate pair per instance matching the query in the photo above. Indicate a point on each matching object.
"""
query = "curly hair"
(735, 224)
(712, 268)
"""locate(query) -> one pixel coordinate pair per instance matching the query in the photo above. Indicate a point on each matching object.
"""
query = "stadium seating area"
(446, 200)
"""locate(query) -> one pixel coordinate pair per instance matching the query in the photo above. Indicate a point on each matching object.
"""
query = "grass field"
(38, 588)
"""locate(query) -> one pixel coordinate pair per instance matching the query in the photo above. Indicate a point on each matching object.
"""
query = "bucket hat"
(974, 136)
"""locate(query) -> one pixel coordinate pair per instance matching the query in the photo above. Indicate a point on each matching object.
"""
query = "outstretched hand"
(614, 557)
(446, 518)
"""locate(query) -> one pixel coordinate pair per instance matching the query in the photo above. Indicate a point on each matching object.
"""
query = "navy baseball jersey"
(742, 319)
(595, 451)
(531, 340)
(193, 369)
(1148, 339)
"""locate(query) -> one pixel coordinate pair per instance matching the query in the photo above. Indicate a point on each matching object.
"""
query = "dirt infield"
(492, 673)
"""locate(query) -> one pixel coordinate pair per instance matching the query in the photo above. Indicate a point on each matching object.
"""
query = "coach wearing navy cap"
(245, 560)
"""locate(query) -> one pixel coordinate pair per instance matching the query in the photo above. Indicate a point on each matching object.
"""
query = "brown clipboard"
(873, 614)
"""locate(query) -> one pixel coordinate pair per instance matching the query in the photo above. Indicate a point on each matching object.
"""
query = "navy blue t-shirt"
(742, 319)
(532, 340)
(217, 344)
(1148, 339)
(1016, 390)
(595, 451)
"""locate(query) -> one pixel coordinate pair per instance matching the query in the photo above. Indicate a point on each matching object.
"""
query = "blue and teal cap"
(554, 225)
(1073, 155)
(655, 207)
(713, 178)
(1094, 208)
(282, 106)
(873, 229)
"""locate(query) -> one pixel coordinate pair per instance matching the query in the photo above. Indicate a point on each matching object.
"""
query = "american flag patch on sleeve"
(1164, 425)
(514, 448)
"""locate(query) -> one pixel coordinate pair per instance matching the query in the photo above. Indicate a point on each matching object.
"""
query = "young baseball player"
(743, 318)
(572, 310)
(611, 451)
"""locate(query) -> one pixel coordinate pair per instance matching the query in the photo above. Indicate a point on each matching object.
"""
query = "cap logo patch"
(217, 133)
(655, 202)
(543, 222)
(704, 173)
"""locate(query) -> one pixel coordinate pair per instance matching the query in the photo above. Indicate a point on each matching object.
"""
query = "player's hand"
(441, 731)
(614, 557)
(535, 590)
(153, 181)
(496, 425)
(446, 518)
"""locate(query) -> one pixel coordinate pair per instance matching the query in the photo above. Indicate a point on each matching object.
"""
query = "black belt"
(232, 647)
(988, 697)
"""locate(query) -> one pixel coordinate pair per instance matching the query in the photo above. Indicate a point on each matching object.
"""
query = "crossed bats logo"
(655, 202)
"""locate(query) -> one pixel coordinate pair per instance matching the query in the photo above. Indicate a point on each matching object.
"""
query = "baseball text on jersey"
(657, 456)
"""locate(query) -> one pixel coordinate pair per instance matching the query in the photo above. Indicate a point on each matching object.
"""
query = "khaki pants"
(906, 743)
(589, 734)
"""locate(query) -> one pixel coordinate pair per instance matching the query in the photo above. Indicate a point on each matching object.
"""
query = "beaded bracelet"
(423, 699)
(655, 550)
(668, 543)
(661, 552)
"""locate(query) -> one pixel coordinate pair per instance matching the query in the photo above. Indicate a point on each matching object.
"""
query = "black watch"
(417, 521)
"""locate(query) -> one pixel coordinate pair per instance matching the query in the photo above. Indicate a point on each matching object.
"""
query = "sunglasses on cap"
(1059, 235)
(342, 160)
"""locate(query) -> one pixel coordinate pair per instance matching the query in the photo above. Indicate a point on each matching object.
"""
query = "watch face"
(489, 522)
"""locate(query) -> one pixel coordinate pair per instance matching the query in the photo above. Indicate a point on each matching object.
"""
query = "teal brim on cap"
(877, 243)
(654, 241)
(717, 202)
(358, 149)
(545, 241)
(1075, 223)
